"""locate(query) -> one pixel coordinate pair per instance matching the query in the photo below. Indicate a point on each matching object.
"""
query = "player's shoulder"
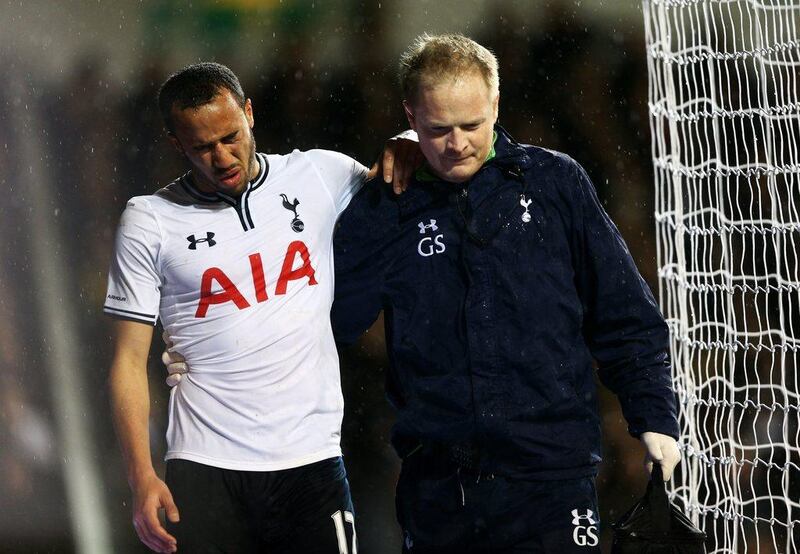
(324, 161)
(150, 206)
(321, 155)
(139, 216)
(175, 194)
(138, 207)
(327, 161)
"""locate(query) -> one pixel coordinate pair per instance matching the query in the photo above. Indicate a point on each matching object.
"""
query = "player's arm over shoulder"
(342, 175)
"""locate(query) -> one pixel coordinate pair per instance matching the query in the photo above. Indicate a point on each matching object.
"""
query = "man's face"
(454, 120)
(217, 140)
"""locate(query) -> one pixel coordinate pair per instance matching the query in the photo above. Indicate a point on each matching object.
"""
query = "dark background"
(80, 134)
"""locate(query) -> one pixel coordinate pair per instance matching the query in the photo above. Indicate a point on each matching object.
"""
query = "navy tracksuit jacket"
(493, 316)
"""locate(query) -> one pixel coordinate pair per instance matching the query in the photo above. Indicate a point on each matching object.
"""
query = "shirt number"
(339, 521)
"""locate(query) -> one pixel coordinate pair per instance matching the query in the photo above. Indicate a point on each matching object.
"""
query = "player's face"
(217, 139)
(454, 120)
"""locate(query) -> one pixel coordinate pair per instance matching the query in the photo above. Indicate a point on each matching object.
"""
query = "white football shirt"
(244, 288)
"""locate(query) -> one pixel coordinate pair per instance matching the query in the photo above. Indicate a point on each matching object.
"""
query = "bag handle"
(657, 498)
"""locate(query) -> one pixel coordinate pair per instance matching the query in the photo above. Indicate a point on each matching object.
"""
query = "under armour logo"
(577, 517)
(296, 224)
(430, 245)
(193, 242)
(587, 534)
(432, 226)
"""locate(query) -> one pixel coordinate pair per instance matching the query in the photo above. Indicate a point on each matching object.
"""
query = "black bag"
(655, 526)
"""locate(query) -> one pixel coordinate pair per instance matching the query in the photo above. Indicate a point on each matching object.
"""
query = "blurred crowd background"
(80, 133)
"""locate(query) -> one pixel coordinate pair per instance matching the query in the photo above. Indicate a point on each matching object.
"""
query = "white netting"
(724, 105)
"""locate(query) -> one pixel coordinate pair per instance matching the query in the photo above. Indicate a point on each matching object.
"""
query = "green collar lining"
(425, 174)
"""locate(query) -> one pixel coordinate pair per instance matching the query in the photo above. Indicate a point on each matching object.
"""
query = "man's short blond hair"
(434, 58)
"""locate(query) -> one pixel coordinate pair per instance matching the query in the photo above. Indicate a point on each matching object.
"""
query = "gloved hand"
(662, 449)
(176, 364)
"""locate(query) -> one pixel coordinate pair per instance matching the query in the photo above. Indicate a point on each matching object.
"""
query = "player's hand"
(400, 158)
(149, 496)
(662, 449)
(176, 364)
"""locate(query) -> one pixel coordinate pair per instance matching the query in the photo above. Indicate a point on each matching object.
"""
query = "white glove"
(176, 364)
(662, 449)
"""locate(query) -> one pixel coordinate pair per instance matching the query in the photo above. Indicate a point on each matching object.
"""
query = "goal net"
(724, 99)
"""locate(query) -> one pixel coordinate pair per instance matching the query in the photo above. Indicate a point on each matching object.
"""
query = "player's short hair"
(196, 85)
(432, 58)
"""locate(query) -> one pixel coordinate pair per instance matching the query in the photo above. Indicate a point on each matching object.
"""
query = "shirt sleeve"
(623, 325)
(133, 279)
(342, 176)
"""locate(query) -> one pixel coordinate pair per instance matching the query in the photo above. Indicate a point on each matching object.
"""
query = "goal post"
(724, 102)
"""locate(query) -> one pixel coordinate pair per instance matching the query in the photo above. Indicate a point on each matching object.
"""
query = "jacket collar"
(508, 152)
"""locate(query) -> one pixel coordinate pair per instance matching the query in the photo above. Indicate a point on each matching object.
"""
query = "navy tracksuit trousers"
(443, 509)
